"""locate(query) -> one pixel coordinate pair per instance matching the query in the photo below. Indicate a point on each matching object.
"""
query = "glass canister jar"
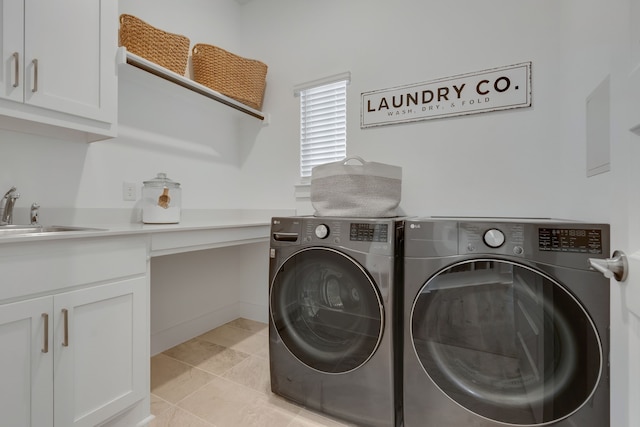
(161, 200)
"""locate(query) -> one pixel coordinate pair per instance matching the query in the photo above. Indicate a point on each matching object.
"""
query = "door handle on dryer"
(616, 267)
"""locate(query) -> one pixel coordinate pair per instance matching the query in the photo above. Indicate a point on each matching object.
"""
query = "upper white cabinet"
(59, 67)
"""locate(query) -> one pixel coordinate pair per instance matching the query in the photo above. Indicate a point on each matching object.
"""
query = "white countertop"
(197, 230)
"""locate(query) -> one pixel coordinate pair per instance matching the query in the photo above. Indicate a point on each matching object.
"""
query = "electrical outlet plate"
(129, 191)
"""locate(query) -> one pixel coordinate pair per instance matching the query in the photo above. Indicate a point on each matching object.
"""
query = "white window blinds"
(323, 124)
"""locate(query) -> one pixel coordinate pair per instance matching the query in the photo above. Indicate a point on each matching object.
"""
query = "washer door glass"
(506, 342)
(327, 310)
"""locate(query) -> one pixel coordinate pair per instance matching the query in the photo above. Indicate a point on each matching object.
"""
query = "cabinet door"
(75, 44)
(101, 359)
(26, 364)
(11, 32)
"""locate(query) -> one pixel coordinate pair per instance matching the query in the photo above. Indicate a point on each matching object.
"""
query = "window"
(323, 122)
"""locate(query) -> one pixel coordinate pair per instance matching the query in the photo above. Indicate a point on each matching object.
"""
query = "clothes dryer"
(332, 304)
(505, 323)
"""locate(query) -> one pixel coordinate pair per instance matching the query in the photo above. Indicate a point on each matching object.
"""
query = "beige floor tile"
(252, 372)
(173, 380)
(159, 405)
(237, 339)
(206, 355)
(263, 414)
(176, 417)
(263, 349)
(250, 325)
(226, 404)
(221, 379)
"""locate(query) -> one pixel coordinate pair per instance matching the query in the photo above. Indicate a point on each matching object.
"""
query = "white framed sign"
(501, 88)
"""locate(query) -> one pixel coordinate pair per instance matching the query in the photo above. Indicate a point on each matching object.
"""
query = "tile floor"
(221, 379)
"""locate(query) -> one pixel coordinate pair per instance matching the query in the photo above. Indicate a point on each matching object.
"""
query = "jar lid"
(161, 181)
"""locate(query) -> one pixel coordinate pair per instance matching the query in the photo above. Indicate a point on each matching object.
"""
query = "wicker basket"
(168, 50)
(234, 76)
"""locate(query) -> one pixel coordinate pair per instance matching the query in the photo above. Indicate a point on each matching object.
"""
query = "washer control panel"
(480, 237)
(368, 232)
(363, 235)
(570, 239)
(367, 235)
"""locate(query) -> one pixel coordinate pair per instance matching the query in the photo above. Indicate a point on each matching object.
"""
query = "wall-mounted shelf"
(125, 57)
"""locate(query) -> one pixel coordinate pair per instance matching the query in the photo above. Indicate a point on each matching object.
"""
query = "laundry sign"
(480, 92)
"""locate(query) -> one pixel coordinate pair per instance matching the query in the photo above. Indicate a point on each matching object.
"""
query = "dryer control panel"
(549, 241)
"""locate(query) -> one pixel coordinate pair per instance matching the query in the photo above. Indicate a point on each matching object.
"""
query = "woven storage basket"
(234, 76)
(168, 50)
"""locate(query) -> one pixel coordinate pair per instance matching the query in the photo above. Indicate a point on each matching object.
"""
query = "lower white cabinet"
(79, 356)
(99, 345)
(26, 363)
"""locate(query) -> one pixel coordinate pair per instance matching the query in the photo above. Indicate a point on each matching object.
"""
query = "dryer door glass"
(327, 310)
(506, 342)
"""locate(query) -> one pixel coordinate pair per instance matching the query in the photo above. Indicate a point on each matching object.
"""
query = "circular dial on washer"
(322, 231)
(493, 238)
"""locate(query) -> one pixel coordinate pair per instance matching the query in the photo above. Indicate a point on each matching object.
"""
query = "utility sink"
(17, 230)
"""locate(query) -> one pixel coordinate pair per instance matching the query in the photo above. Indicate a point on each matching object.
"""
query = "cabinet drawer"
(50, 266)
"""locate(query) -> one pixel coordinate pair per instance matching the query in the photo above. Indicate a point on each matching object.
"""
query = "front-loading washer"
(332, 326)
(505, 323)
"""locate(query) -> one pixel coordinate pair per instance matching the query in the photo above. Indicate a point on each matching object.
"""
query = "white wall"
(526, 162)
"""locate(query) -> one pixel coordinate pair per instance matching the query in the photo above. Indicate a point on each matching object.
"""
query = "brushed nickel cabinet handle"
(45, 348)
(35, 75)
(65, 316)
(16, 59)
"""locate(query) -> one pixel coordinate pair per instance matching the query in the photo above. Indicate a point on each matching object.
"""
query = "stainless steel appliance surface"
(333, 326)
(505, 323)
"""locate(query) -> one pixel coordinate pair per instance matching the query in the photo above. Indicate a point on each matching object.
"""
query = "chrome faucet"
(6, 206)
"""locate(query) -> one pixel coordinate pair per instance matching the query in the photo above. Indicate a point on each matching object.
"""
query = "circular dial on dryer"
(493, 238)
(322, 231)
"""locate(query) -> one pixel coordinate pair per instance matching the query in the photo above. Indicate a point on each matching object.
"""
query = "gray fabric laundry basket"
(367, 189)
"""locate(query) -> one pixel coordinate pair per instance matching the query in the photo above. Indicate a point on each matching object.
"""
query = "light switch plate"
(129, 191)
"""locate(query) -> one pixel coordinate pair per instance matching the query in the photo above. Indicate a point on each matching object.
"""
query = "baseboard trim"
(251, 311)
(170, 337)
